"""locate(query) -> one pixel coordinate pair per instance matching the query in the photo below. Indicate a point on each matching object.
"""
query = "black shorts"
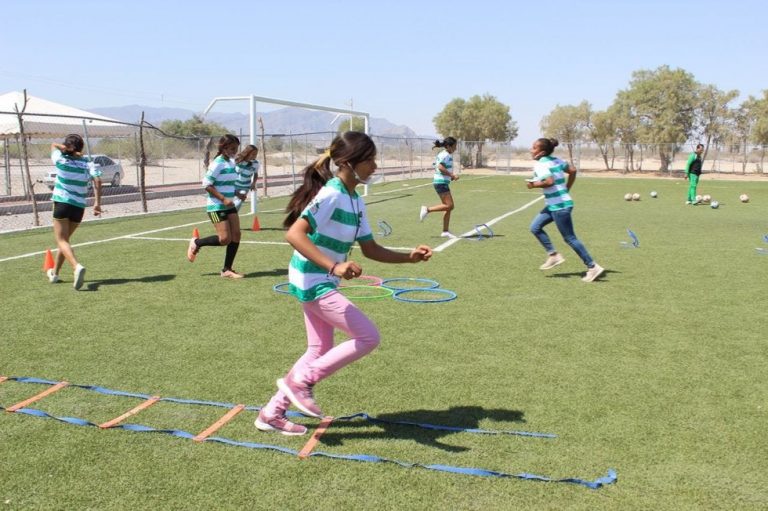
(219, 216)
(64, 211)
(441, 188)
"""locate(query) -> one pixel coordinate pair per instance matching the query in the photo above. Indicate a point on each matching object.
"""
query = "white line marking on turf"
(489, 223)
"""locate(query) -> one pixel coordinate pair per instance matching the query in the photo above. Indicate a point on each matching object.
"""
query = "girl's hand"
(227, 202)
(348, 270)
(96, 210)
(529, 184)
(420, 253)
(454, 177)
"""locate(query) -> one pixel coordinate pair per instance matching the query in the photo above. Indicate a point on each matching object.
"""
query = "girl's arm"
(213, 191)
(373, 250)
(571, 171)
(298, 237)
(544, 183)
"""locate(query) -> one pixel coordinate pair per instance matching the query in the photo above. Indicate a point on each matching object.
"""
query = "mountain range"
(281, 121)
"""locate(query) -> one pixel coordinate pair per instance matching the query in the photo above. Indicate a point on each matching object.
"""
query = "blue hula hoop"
(450, 295)
(431, 284)
(479, 232)
(281, 288)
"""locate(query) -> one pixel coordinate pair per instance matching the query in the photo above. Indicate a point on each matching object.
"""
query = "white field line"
(138, 235)
(489, 223)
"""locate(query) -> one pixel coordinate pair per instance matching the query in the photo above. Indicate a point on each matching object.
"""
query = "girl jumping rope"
(69, 201)
(443, 176)
(219, 182)
(322, 228)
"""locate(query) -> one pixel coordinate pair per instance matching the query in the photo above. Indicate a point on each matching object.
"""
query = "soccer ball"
(627, 196)
(706, 198)
(654, 194)
(698, 198)
(744, 197)
(714, 204)
(635, 196)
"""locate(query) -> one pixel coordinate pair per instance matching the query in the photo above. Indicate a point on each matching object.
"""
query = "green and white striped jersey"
(245, 172)
(222, 176)
(72, 178)
(338, 219)
(556, 196)
(446, 159)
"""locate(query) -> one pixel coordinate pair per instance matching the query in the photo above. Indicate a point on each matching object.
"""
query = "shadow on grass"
(467, 417)
(395, 197)
(580, 274)
(96, 284)
(277, 272)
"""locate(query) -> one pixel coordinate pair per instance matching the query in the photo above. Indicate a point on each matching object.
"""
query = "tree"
(603, 133)
(355, 124)
(712, 115)
(476, 121)
(663, 102)
(194, 127)
(568, 124)
(759, 108)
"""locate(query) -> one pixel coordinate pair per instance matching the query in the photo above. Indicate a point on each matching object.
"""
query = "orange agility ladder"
(219, 423)
(133, 411)
(37, 397)
(312, 442)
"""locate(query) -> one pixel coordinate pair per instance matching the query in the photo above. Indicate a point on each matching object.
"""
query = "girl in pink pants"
(325, 217)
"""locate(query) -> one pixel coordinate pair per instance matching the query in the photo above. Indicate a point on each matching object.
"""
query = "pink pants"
(322, 359)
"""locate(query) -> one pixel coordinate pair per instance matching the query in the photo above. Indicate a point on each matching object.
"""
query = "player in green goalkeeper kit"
(693, 171)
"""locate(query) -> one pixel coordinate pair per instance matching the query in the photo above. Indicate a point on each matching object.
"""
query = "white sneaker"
(552, 261)
(79, 276)
(423, 213)
(52, 277)
(593, 273)
(446, 234)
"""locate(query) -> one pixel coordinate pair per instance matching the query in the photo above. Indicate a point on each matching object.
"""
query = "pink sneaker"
(301, 396)
(279, 423)
(192, 250)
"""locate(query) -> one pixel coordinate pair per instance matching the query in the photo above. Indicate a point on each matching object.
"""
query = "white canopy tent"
(43, 118)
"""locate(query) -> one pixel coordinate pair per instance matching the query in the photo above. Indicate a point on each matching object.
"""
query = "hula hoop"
(370, 279)
(385, 294)
(386, 229)
(431, 284)
(449, 295)
(281, 288)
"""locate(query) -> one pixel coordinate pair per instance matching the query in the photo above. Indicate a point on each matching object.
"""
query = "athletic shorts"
(64, 211)
(441, 188)
(219, 216)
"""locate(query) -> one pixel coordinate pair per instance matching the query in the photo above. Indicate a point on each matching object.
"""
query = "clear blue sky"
(400, 60)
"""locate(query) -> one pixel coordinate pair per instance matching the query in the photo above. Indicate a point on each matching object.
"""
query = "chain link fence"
(172, 167)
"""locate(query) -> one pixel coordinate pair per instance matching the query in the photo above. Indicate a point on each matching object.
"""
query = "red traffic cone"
(195, 233)
(48, 263)
(255, 227)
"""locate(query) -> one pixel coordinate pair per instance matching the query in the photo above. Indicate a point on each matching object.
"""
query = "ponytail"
(316, 174)
(448, 141)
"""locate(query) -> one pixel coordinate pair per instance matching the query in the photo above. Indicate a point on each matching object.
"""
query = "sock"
(230, 257)
(210, 241)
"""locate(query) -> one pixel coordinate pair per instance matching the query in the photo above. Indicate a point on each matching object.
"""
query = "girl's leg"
(447, 200)
(564, 224)
(336, 310)
(537, 229)
(233, 225)
(62, 231)
(319, 341)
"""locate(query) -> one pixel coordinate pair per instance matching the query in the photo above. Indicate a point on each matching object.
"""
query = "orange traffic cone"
(195, 233)
(48, 263)
(255, 227)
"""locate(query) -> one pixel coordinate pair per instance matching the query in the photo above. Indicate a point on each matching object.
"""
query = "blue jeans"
(562, 219)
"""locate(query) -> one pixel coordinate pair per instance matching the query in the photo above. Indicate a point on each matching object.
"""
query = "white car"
(111, 172)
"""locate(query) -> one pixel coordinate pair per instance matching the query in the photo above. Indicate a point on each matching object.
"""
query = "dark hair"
(224, 141)
(547, 145)
(448, 141)
(350, 147)
(247, 149)
(699, 146)
(73, 143)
